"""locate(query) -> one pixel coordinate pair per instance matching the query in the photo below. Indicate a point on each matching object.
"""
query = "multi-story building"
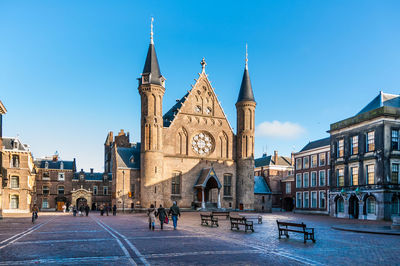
(3, 111)
(262, 195)
(54, 183)
(365, 151)
(288, 192)
(18, 182)
(312, 172)
(93, 189)
(122, 160)
(274, 168)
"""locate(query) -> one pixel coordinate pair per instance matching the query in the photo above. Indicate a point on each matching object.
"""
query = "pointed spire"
(151, 31)
(151, 67)
(246, 91)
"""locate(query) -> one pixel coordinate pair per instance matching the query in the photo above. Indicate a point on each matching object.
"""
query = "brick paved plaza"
(126, 240)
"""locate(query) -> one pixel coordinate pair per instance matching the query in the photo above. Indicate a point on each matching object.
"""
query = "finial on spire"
(203, 65)
(246, 61)
(151, 31)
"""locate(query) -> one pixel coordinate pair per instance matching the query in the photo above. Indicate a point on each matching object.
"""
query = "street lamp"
(123, 191)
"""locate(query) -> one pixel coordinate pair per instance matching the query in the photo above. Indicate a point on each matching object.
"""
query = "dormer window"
(15, 161)
(46, 165)
(82, 176)
(61, 165)
(15, 144)
(145, 78)
(132, 159)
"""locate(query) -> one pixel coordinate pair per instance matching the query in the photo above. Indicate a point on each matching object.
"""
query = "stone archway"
(81, 194)
(353, 207)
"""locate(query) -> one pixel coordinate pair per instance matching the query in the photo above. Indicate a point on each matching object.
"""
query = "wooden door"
(59, 205)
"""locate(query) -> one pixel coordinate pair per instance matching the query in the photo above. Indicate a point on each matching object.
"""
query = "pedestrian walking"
(107, 209)
(74, 210)
(64, 208)
(87, 210)
(151, 212)
(81, 210)
(101, 209)
(174, 211)
(162, 216)
(114, 210)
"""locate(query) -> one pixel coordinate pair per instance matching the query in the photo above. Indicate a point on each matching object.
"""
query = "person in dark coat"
(87, 210)
(162, 214)
(101, 209)
(114, 210)
(74, 210)
(107, 208)
(175, 212)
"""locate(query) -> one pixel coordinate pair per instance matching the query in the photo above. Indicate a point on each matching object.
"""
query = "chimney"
(121, 133)
(91, 170)
(276, 157)
(292, 157)
(55, 157)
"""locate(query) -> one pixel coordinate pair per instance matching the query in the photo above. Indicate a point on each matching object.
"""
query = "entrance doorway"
(288, 204)
(353, 207)
(60, 204)
(80, 202)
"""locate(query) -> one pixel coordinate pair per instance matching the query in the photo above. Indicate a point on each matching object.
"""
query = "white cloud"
(281, 130)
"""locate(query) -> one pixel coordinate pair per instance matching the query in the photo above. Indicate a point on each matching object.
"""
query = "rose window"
(202, 143)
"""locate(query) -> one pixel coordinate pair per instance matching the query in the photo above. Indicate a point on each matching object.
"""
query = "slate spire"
(246, 92)
(151, 71)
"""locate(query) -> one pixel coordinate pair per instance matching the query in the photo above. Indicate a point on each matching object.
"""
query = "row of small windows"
(303, 180)
(46, 176)
(369, 174)
(354, 144)
(46, 190)
(316, 160)
(303, 200)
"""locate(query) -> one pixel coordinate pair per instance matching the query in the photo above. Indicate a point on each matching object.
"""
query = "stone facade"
(3, 111)
(274, 169)
(18, 183)
(191, 139)
(54, 183)
(311, 177)
(365, 162)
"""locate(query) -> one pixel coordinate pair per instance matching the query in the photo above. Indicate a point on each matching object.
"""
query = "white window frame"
(299, 199)
(304, 162)
(105, 190)
(366, 173)
(396, 162)
(288, 187)
(323, 193)
(61, 176)
(311, 179)
(316, 161)
(45, 206)
(319, 178)
(299, 162)
(304, 200)
(319, 159)
(95, 190)
(299, 180)
(312, 206)
(304, 179)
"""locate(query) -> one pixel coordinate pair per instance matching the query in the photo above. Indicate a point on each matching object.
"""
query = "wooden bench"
(236, 221)
(285, 227)
(254, 217)
(208, 219)
(221, 213)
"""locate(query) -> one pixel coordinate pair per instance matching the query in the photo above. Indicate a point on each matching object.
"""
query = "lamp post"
(123, 191)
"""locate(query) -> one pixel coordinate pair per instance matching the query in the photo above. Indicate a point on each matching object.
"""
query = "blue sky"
(68, 69)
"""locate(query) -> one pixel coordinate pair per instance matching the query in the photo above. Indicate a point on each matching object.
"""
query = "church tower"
(151, 90)
(245, 110)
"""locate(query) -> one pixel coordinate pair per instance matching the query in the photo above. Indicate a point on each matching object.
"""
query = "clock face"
(202, 143)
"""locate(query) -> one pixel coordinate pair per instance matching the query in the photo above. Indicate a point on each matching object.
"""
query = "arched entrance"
(287, 204)
(208, 189)
(81, 202)
(81, 196)
(353, 207)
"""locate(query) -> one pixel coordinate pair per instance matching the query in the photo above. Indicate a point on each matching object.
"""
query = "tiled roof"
(129, 157)
(8, 144)
(383, 99)
(260, 186)
(152, 67)
(268, 160)
(92, 176)
(170, 115)
(246, 91)
(67, 165)
(316, 144)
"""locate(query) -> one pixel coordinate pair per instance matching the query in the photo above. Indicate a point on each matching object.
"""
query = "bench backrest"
(291, 224)
(220, 212)
(238, 218)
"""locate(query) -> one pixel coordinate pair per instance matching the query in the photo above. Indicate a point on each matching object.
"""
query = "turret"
(151, 90)
(245, 110)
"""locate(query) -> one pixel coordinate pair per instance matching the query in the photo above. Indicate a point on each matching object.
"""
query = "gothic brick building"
(189, 154)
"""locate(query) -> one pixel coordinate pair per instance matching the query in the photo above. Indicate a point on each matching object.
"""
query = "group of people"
(82, 209)
(105, 209)
(162, 215)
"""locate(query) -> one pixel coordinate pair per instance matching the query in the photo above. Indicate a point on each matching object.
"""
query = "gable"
(200, 105)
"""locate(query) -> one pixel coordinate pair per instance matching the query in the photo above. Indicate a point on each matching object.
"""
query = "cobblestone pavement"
(126, 240)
